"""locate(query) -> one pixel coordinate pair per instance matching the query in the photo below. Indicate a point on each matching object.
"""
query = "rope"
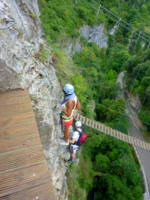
(112, 132)
(139, 34)
(128, 26)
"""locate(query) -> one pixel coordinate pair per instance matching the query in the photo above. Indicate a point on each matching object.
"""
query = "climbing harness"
(112, 132)
(64, 117)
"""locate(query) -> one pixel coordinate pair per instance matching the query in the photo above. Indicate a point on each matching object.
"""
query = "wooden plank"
(42, 192)
(23, 179)
(11, 100)
(27, 157)
(12, 93)
(18, 143)
(23, 170)
(17, 119)
(11, 110)
(18, 131)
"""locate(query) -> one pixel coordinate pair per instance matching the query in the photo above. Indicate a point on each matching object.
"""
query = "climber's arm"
(72, 141)
(78, 105)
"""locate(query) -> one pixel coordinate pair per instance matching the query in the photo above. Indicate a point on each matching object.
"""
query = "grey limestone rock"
(95, 34)
(21, 39)
(8, 77)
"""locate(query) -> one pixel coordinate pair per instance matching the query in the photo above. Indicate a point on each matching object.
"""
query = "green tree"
(118, 57)
(102, 163)
(145, 117)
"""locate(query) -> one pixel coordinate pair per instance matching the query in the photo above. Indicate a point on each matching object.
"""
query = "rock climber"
(69, 104)
(74, 142)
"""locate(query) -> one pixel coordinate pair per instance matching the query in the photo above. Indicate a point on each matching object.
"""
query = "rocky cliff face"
(95, 34)
(21, 41)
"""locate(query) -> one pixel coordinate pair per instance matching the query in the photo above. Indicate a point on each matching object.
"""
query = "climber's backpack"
(81, 139)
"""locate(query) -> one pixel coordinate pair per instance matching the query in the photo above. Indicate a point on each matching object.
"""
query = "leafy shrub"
(118, 57)
(42, 55)
(145, 117)
(102, 163)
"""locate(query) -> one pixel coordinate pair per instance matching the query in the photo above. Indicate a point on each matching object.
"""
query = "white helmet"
(68, 88)
(78, 124)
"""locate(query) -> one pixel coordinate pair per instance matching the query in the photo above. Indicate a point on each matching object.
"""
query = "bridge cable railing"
(112, 132)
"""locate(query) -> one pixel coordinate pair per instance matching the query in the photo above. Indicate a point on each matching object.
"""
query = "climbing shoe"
(71, 161)
(64, 143)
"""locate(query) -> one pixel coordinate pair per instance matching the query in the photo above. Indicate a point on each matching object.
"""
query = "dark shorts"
(73, 148)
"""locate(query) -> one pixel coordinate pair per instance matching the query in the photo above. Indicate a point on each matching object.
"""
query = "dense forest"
(107, 167)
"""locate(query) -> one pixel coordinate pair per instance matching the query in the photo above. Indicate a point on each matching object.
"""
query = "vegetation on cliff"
(138, 82)
(110, 166)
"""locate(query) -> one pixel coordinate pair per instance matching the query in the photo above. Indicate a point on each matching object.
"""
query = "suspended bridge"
(112, 132)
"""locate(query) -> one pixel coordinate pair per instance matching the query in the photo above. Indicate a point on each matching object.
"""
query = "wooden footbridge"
(23, 170)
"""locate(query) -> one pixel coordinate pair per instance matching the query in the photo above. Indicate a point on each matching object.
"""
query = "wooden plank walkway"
(23, 170)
